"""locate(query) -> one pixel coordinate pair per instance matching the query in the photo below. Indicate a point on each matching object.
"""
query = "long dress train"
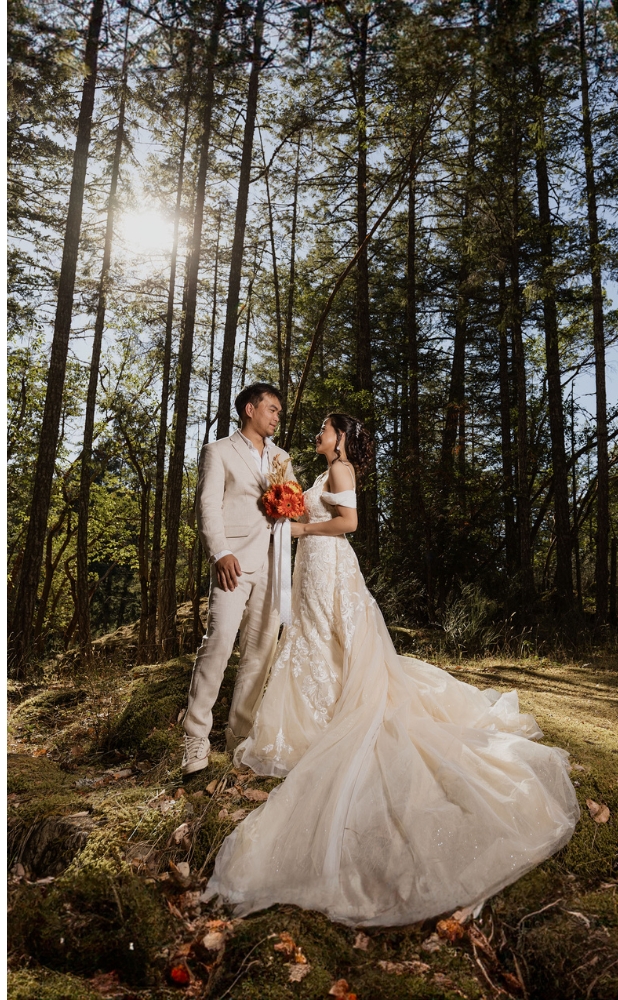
(408, 793)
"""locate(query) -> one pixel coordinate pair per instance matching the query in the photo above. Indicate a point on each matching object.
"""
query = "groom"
(237, 535)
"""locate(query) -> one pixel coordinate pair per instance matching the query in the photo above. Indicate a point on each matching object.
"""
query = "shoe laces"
(193, 745)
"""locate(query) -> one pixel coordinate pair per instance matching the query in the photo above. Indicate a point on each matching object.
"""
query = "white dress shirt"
(263, 463)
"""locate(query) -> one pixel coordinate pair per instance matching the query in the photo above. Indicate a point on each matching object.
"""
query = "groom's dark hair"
(253, 394)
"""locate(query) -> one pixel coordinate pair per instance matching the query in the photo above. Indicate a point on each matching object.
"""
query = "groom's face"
(265, 416)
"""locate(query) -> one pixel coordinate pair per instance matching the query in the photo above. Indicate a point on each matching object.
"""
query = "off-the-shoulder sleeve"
(345, 499)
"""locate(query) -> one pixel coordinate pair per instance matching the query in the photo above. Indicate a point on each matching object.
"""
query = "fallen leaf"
(40, 752)
(222, 814)
(578, 767)
(179, 833)
(233, 792)
(179, 793)
(598, 811)
(125, 773)
(237, 815)
(211, 786)
(361, 941)
(298, 973)
(255, 795)
(340, 989)
(181, 871)
(462, 916)
(286, 944)
(180, 974)
(214, 941)
(432, 943)
(450, 929)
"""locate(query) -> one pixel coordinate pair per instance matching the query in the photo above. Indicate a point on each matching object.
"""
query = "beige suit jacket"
(228, 508)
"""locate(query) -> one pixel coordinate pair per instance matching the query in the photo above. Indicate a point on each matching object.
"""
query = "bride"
(408, 793)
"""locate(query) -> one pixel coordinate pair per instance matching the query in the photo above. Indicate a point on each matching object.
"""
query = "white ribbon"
(282, 570)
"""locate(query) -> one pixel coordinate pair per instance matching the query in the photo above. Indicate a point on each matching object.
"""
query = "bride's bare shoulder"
(341, 477)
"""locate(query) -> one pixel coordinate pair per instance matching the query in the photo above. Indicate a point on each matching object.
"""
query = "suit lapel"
(241, 448)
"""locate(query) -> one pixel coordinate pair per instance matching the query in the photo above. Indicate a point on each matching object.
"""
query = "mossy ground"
(107, 747)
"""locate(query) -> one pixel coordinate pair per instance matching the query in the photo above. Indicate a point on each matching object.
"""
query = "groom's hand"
(228, 571)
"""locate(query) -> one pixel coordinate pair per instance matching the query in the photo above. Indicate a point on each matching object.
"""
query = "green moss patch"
(92, 918)
(43, 984)
(154, 704)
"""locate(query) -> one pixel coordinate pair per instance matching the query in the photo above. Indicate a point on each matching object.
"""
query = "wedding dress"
(408, 793)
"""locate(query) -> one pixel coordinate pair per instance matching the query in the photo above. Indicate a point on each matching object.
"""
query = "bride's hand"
(297, 529)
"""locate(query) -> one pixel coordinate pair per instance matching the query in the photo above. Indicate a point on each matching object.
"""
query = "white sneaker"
(196, 754)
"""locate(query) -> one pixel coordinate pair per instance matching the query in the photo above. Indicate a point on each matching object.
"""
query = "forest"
(399, 209)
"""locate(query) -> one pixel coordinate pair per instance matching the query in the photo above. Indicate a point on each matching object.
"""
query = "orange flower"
(284, 500)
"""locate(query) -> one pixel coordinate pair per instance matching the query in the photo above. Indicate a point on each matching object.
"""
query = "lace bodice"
(319, 503)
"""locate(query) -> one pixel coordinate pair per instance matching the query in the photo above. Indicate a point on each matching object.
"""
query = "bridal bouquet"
(284, 498)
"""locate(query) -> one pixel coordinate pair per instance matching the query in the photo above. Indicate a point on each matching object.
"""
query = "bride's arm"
(344, 522)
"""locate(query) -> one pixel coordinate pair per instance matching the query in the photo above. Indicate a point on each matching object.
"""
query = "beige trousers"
(248, 608)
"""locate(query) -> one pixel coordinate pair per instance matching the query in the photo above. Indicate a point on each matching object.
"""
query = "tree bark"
(289, 315)
(508, 488)
(213, 327)
(86, 469)
(273, 252)
(233, 296)
(564, 573)
(413, 413)
(602, 538)
(157, 521)
(368, 525)
(20, 639)
(168, 634)
(519, 365)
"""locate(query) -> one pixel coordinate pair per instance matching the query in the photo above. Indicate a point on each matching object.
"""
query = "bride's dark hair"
(358, 440)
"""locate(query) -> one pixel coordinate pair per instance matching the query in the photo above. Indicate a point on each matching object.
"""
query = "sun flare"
(147, 233)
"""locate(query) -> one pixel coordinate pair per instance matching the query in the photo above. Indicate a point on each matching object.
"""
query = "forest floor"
(110, 855)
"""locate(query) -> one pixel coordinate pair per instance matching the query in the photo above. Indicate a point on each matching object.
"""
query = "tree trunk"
(168, 636)
(456, 395)
(456, 392)
(213, 327)
(20, 640)
(602, 539)
(413, 413)
(508, 489)
(86, 469)
(564, 573)
(271, 230)
(519, 365)
(576, 519)
(245, 353)
(289, 315)
(155, 560)
(231, 312)
(368, 527)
